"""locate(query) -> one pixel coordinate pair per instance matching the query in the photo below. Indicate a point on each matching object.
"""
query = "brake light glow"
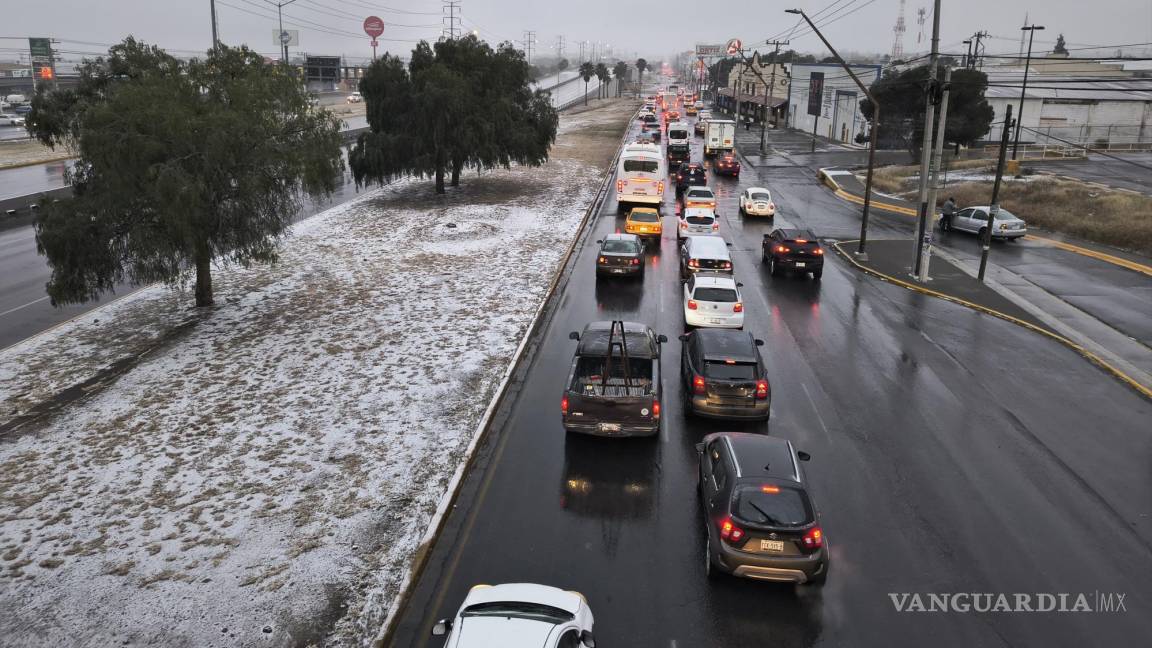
(620, 186)
(781, 248)
(655, 409)
(818, 251)
(660, 187)
(698, 385)
(730, 532)
(737, 307)
(693, 263)
(769, 489)
(814, 539)
(801, 240)
(727, 265)
(691, 304)
(761, 389)
(715, 226)
(635, 261)
(564, 406)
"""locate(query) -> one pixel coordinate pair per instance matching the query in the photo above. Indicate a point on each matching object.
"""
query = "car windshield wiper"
(768, 519)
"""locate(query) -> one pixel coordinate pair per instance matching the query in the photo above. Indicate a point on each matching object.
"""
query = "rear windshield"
(645, 217)
(786, 507)
(699, 220)
(700, 193)
(760, 195)
(620, 247)
(678, 134)
(1004, 214)
(734, 371)
(725, 295)
(646, 166)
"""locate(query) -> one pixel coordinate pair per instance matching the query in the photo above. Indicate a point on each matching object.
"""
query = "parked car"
(614, 386)
(22, 110)
(713, 300)
(703, 254)
(727, 164)
(757, 201)
(759, 518)
(793, 249)
(696, 221)
(690, 175)
(723, 375)
(1006, 225)
(620, 254)
(697, 196)
(519, 615)
(355, 97)
(11, 119)
(644, 221)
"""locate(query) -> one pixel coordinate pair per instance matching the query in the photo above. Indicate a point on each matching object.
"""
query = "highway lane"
(953, 452)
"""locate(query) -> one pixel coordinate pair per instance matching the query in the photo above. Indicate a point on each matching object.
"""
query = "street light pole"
(280, 17)
(770, 93)
(1031, 29)
(215, 38)
(871, 140)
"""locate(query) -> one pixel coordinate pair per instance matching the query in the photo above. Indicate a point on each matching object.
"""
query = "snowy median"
(262, 474)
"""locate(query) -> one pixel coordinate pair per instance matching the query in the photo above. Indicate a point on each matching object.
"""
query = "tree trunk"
(585, 93)
(203, 276)
(440, 179)
(457, 166)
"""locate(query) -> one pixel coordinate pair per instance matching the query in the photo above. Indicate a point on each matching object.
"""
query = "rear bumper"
(1009, 234)
(619, 271)
(656, 234)
(704, 319)
(634, 199)
(781, 569)
(626, 430)
(701, 406)
(810, 264)
(753, 211)
(728, 171)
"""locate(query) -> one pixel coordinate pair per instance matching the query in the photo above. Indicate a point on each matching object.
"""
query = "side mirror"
(683, 337)
(441, 628)
(587, 639)
(661, 339)
(767, 236)
(600, 241)
(728, 243)
(700, 448)
(573, 336)
(803, 456)
(739, 285)
(759, 342)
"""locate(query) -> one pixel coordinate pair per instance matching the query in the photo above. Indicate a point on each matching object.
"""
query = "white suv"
(713, 300)
(519, 615)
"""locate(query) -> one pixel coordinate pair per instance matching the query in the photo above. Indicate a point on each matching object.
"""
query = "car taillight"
(602, 260)
(730, 532)
(814, 539)
(818, 251)
(737, 307)
(635, 261)
(620, 186)
(781, 248)
(693, 263)
(698, 385)
(761, 389)
(655, 409)
(727, 265)
(771, 205)
(564, 406)
(660, 187)
(691, 304)
(715, 226)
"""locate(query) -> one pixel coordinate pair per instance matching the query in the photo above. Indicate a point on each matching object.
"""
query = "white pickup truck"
(719, 136)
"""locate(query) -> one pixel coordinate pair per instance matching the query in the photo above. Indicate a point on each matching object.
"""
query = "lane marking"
(1088, 252)
(815, 409)
(1129, 380)
(13, 310)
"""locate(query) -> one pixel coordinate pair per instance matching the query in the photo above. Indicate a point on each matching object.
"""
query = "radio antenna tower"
(921, 16)
(898, 39)
(451, 20)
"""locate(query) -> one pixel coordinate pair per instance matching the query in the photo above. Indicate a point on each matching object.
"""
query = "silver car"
(975, 219)
(10, 119)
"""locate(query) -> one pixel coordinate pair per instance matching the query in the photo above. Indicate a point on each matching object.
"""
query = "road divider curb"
(483, 428)
(17, 165)
(826, 177)
(1092, 357)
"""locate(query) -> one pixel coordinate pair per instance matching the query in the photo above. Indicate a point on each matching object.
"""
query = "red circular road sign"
(373, 26)
(734, 46)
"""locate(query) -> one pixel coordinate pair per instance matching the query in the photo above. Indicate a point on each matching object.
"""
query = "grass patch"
(893, 179)
(1113, 218)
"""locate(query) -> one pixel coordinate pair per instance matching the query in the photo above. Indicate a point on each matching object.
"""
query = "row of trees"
(458, 104)
(904, 97)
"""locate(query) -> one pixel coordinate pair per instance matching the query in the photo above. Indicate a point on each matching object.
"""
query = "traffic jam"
(759, 517)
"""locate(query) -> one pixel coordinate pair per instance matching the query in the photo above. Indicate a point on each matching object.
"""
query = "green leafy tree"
(641, 66)
(604, 75)
(620, 70)
(903, 96)
(587, 71)
(179, 165)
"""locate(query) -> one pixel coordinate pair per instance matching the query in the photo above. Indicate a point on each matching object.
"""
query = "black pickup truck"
(614, 386)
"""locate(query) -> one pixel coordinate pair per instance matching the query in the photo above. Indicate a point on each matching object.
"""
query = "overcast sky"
(654, 28)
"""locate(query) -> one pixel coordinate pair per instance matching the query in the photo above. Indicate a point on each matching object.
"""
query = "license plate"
(639, 193)
(618, 270)
(799, 264)
(775, 546)
(714, 320)
(615, 427)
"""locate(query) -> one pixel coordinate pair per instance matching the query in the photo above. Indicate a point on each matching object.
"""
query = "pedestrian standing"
(946, 212)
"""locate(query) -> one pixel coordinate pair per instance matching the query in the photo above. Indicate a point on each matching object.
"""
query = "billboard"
(710, 50)
(289, 37)
(816, 93)
(41, 53)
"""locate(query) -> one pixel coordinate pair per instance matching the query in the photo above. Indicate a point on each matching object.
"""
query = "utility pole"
(215, 38)
(582, 51)
(770, 91)
(529, 40)
(283, 36)
(559, 55)
(968, 56)
(986, 240)
(1031, 29)
(873, 136)
(926, 145)
(977, 48)
(937, 156)
(450, 31)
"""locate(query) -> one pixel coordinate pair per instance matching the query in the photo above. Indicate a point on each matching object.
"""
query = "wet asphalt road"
(952, 452)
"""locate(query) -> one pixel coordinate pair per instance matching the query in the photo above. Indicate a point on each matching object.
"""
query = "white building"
(826, 89)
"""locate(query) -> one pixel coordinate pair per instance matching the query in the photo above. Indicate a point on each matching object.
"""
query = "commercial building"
(747, 88)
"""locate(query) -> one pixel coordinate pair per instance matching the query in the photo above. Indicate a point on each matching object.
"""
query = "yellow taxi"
(690, 110)
(644, 221)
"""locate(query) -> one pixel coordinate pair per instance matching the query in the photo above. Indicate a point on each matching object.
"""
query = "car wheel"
(816, 274)
(944, 225)
(818, 580)
(772, 269)
(709, 570)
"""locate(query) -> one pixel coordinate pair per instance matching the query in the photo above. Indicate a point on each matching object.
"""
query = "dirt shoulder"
(261, 474)
(26, 152)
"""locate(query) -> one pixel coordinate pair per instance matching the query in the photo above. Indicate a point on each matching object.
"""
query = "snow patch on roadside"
(265, 477)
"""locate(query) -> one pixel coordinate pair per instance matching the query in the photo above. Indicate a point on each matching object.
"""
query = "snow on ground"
(261, 476)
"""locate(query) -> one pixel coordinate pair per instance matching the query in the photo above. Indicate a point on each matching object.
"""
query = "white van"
(640, 176)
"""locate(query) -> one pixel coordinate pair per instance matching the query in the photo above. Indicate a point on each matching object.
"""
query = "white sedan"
(9, 119)
(355, 97)
(713, 301)
(757, 201)
(519, 614)
(696, 221)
